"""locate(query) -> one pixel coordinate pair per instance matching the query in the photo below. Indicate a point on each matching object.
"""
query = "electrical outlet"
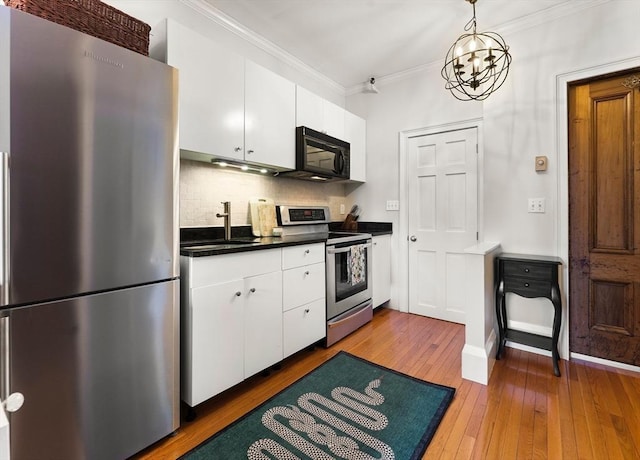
(393, 205)
(342, 209)
(535, 205)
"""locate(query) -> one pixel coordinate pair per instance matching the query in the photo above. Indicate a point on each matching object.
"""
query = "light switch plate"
(535, 205)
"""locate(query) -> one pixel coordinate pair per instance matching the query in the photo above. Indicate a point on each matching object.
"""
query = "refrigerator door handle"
(4, 277)
(4, 229)
(4, 358)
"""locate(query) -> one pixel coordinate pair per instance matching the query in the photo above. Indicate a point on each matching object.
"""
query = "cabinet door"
(216, 358)
(304, 325)
(309, 109)
(381, 269)
(211, 93)
(270, 117)
(334, 120)
(263, 322)
(356, 134)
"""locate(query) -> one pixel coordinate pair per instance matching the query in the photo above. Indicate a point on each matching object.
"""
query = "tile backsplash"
(203, 188)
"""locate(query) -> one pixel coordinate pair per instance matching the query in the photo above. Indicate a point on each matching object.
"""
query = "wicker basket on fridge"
(92, 17)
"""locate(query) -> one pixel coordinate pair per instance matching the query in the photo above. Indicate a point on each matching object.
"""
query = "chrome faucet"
(227, 219)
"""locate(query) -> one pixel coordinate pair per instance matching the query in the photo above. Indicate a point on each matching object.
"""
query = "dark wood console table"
(529, 276)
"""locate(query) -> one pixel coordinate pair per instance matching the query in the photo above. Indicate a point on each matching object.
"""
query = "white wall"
(519, 122)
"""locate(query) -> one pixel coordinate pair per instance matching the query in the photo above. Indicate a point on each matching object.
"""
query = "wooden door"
(443, 208)
(604, 219)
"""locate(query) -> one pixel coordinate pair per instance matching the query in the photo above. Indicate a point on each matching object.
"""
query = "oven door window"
(351, 271)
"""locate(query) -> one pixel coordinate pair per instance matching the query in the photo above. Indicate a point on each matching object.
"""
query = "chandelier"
(477, 64)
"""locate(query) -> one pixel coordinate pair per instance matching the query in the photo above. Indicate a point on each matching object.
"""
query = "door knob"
(413, 238)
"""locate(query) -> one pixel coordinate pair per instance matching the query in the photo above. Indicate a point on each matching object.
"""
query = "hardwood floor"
(591, 412)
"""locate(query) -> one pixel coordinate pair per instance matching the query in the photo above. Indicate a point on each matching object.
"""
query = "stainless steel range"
(348, 268)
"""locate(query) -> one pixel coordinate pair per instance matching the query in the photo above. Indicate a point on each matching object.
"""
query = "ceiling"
(349, 41)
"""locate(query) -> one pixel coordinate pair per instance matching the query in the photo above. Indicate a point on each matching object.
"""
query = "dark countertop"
(208, 241)
(374, 228)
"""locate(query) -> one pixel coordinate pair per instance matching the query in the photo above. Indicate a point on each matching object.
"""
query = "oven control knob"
(413, 238)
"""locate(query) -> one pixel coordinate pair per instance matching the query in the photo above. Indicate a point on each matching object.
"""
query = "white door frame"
(562, 137)
(403, 233)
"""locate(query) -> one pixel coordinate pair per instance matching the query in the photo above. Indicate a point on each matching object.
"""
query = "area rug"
(346, 408)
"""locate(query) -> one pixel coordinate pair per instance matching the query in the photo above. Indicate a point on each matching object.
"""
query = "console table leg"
(557, 318)
(501, 315)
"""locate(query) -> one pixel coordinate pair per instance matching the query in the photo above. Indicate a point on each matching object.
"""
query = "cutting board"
(263, 216)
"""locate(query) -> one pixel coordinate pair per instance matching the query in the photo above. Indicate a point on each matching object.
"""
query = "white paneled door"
(443, 217)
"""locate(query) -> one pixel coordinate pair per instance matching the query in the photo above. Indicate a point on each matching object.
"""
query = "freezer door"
(100, 374)
(93, 164)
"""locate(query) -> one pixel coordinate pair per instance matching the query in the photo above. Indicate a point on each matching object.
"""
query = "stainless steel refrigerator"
(89, 294)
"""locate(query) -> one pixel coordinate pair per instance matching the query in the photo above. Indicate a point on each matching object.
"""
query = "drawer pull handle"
(526, 284)
(252, 290)
(306, 273)
(238, 294)
(307, 251)
(306, 310)
(526, 270)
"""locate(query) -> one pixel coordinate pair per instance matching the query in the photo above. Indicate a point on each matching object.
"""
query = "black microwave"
(320, 156)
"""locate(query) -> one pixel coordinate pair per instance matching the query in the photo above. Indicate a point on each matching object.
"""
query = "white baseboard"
(477, 362)
(605, 362)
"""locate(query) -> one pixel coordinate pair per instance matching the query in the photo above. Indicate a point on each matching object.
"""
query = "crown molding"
(517, 25)
(552, 13)
(209, 11)
(217, 16)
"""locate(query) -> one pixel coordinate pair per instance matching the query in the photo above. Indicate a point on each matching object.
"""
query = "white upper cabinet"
(334, 120)
(270, 117)
(309, 109)
(211, 93)
(229, 106)
(355, 132)
(319, 114)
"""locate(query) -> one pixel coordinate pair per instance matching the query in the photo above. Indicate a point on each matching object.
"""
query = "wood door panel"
(604, 229)
(611, 307)
(612, 177)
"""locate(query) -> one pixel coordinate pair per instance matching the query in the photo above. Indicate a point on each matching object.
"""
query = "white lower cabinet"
(216, 358)
(303, 296)
(262, 322)
(231, 312)
(381, 269)
(304, 325)
(243, 312)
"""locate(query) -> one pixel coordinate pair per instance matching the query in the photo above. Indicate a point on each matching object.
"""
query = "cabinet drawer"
(527, 270)
(527, 287)
(304, 326)
(297, 256)
(204, 271)
(302, 285)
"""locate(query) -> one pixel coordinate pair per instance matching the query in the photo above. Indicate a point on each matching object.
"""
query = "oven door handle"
(347, 249)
